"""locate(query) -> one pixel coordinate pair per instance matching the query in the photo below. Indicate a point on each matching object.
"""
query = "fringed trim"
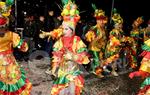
(17, 88)
(26, 87)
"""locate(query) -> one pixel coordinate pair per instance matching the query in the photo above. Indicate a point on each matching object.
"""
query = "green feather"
(9, 2)
(114, 10)
(64, 2)
(94, 6)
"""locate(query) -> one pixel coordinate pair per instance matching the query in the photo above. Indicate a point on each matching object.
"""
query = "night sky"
(129, 9)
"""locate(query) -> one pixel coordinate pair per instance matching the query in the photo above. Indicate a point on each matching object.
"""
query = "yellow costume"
(12, 77)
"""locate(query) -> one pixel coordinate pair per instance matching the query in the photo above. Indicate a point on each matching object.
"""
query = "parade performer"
(135, 35)
(144, 70)
(115, 38)
(12, 77)
(97, 39)
(68, 52)
(128, 52)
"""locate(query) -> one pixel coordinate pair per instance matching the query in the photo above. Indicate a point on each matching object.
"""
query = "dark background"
(129, 9)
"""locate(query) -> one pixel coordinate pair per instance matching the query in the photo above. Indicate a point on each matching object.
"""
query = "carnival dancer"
(135, 35)
(97, 39)
(12, 77)
(114, 44)
(68, 52)
(144, 70)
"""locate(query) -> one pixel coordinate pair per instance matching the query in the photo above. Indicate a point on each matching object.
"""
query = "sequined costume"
(97, 39)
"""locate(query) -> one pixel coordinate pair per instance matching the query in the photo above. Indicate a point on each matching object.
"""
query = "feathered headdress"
(5, 9)
(117, 19)
(99, 14)
(70, 13)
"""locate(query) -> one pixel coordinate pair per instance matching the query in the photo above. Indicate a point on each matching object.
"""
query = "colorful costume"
(115, 38)
(96, 37)
(144, 70)
(68, 69)
(12, 77)
(68, 52)
(135, 34)
(129, 52)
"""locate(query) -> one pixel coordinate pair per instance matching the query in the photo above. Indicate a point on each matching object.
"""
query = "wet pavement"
(109, 85)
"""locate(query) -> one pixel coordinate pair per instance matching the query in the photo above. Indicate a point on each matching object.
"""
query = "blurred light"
(41, 1)
(37, 5)
(25, 2)
(24, 13)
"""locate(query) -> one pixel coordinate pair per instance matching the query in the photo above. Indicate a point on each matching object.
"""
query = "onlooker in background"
(29, 34)
(50, 21)
(40, 43)
(49, 27)
(57, 21)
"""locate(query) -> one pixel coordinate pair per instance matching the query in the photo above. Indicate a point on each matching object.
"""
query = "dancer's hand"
(44, 34)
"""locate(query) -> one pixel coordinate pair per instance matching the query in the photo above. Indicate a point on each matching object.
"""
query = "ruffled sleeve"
(81, 55)
(19, 43)
(57, 53)
(90, 36)
(56, 33)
